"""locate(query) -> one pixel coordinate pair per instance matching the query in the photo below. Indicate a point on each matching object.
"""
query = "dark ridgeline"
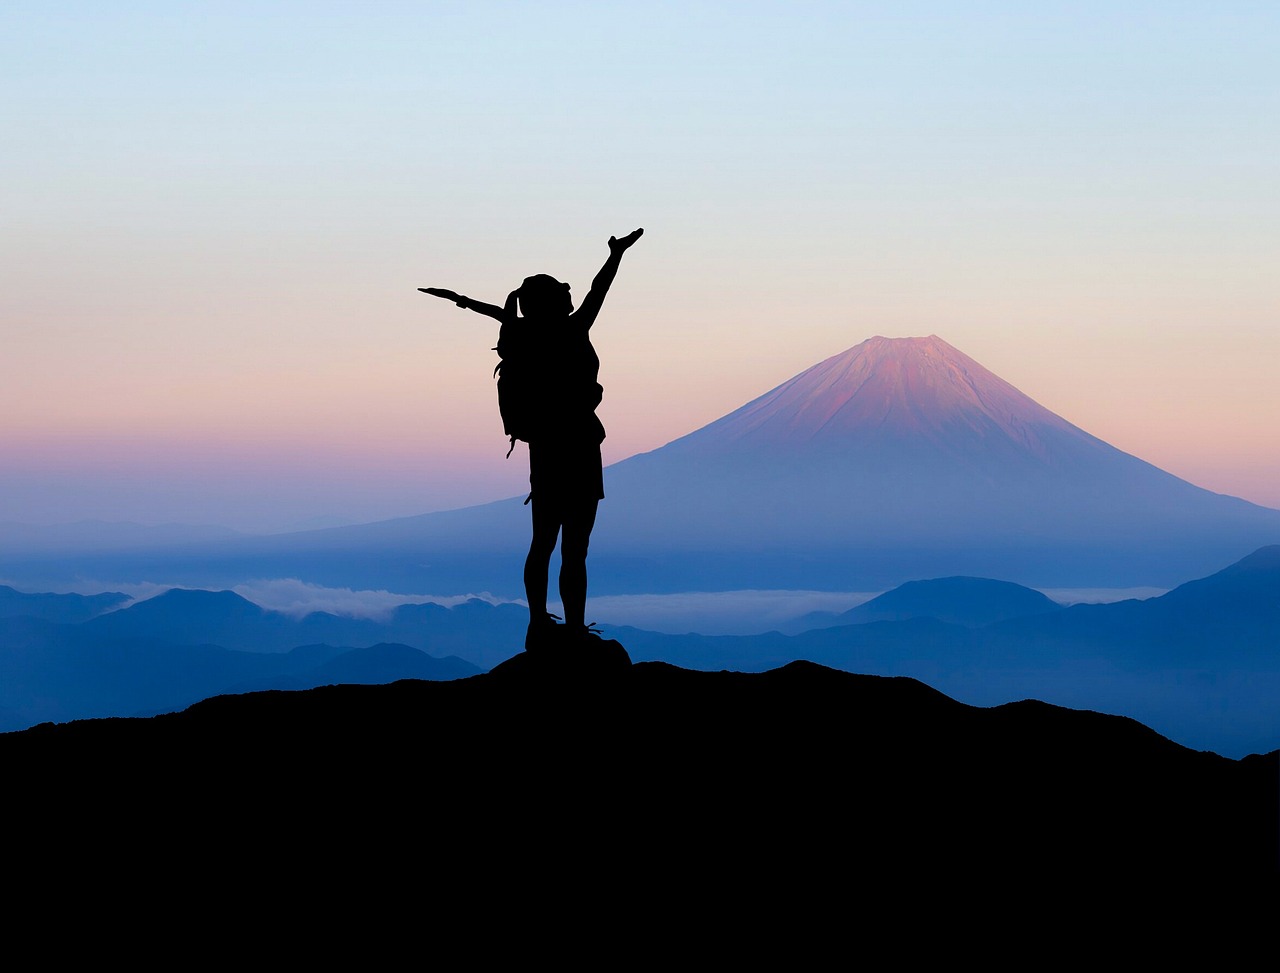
(51, 607)
(538, 789)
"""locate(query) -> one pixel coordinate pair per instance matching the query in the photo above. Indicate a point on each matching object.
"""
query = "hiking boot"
(582, 634)
(542, 632)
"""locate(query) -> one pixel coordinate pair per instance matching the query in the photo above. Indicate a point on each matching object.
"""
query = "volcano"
(903, 458)
(897, 460)
(888, 392)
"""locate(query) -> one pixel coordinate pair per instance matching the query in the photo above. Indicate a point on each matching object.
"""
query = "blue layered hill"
(1200, 664)
(182, 646)
(57, 607)
(195, 617)
(961, 601)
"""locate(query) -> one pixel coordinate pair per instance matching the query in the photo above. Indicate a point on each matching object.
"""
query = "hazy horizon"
(744, 612)
(505, 490)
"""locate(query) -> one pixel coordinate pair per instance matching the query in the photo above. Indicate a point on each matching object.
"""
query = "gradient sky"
(216, 216)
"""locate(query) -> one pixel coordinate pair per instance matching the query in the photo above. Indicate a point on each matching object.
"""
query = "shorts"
(565, 472)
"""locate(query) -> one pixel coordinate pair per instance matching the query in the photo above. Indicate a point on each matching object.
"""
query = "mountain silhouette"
(186, 616)
(702, 791)
(182, 646)
(903, 458)
(195, 617)
(1229, 619)
(183, 616)
(962, 601)
(57, 607)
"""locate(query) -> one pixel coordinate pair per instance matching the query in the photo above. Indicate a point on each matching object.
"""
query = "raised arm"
(489, 310)
(592, 303)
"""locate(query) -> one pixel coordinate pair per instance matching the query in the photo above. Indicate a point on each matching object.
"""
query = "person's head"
(542, 296)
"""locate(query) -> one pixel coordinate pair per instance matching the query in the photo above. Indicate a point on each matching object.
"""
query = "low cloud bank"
(708, 612)
(299, 598)
(746, 612)
(718, 612)
(1100, 596)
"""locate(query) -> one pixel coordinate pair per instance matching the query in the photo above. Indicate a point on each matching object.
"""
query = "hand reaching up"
(619, 246)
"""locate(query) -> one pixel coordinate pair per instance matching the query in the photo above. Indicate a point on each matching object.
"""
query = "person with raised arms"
(548, 390)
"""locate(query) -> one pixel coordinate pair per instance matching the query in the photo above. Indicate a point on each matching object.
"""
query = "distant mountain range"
(898, 459)
(180, 647)
(57, 607)
(1200, 664)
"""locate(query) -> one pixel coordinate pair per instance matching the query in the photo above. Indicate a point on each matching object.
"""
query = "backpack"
(516, 376)
(529, 389)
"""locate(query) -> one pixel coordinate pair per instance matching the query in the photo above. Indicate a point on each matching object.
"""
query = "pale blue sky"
(216, 216)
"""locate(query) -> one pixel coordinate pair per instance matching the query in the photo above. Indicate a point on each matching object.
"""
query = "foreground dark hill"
(898, 459)
(649, 780)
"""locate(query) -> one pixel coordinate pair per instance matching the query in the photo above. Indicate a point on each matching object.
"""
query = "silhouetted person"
(566, 475)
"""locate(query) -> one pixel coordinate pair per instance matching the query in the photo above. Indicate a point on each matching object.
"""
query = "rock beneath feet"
(560, 649)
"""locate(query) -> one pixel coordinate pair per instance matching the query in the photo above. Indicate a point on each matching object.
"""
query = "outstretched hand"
(618, 246)
(441, 292)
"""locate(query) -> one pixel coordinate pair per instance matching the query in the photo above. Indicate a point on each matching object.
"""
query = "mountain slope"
(906, 457)
(893, 390)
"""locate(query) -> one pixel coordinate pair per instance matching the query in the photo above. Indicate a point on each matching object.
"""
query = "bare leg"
(573, 563)
(537, 566)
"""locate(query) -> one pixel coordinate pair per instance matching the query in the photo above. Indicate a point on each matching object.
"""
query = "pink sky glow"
(216, 222)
